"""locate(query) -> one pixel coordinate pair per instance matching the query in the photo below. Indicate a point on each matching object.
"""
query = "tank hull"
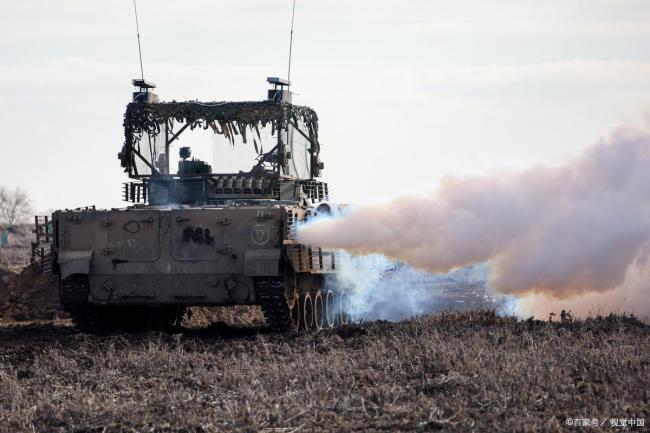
(187, 256)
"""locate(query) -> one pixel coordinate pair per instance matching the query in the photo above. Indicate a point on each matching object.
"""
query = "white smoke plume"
(576, 234)
(380, 289)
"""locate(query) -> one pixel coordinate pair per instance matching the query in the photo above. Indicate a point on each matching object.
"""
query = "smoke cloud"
(380, 289)
(576, 234)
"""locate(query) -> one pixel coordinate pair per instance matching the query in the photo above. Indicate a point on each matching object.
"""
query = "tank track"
(73, 294)
(270, 295)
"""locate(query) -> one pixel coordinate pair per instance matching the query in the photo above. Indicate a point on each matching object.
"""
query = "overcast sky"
(407, 91)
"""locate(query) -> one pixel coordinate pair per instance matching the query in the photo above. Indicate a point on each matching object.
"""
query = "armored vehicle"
(198, 232)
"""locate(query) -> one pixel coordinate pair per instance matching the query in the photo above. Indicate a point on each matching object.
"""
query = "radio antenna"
(137, 29)
(293, 14)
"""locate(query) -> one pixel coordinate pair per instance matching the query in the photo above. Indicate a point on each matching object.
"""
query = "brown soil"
(459, 372)
(241, 315)
(29, 295)
(456, 372)
(5, 276)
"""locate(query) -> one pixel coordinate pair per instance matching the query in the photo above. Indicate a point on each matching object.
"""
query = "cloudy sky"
(407, 91)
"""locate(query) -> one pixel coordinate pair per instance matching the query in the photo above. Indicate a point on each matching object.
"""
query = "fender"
(74, 262)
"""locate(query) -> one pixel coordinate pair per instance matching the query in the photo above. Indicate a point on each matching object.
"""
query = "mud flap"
(262, 262)
(74, 262)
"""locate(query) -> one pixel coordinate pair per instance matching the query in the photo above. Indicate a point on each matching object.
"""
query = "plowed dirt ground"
(451, 372)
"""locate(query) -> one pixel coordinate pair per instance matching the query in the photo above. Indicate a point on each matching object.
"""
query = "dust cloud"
(571, 236)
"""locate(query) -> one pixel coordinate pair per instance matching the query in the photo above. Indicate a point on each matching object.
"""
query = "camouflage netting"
(227, 118)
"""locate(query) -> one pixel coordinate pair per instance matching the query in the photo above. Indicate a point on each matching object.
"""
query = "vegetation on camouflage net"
(227, 118)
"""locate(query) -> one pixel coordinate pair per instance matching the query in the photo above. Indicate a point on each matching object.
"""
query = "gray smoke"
(552, 235)
(378, 288)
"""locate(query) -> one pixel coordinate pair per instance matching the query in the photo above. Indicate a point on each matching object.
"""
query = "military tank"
(197, 235)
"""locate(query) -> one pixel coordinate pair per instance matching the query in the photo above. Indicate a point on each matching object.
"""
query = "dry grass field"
(460, 372)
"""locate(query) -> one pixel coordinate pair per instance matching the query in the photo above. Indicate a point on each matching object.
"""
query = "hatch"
(134, 236)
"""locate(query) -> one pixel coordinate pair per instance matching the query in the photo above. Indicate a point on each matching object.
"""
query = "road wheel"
(319, 314)
(343, 307)
(330, 312)
(307, 312)
(294, 312)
